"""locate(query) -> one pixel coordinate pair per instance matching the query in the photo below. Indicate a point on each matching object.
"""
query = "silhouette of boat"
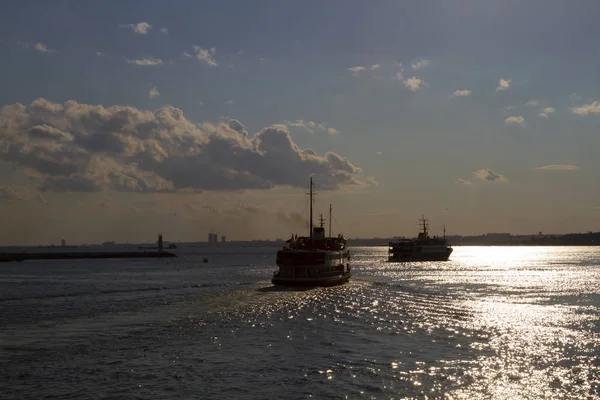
(421, 248)
(316, 260)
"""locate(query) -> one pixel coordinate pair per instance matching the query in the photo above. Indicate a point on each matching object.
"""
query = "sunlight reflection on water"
(493, 323)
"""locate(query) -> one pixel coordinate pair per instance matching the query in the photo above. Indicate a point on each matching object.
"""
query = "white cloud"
(459, 93)
(399, 76)
(592, 108)
(88, 148)
(145, 62)
(375, 67)
(379, 153)
(557, 167)
(356, 70)
(515, 120)
(42, 48)
(312, 126)
(99, 53)
(153, 92)
(532, 103)
(414, 83)
(461, 181)
(487, 175)
(164, 31)
(503, 84)
(141, 28)
(204, 55)
(545, 112)
(420, 64)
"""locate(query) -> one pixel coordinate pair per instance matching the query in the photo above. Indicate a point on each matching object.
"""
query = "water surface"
(492, 323)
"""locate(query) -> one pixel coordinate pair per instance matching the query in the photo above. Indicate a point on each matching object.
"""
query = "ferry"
(314, 260)
(421, 248)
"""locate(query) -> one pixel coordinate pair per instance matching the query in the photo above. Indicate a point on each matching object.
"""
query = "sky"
(120, 120)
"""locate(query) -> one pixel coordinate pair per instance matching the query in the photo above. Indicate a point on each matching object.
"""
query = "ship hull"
(312, 268)
(421, 256)
(312, 282)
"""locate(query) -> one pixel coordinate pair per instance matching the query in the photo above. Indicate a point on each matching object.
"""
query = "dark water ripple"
(494, 323)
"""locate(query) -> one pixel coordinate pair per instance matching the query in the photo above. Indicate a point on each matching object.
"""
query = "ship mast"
(330, 220)
(310, 193)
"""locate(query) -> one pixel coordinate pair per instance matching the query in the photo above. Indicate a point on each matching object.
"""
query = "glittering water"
(493, 323)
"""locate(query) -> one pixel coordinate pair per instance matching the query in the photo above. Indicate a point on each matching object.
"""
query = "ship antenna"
(310, 193)
(330, 220)
(322, 221)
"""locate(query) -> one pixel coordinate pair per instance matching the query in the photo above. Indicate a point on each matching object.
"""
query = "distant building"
(223, 239)
(63, 243)
(213, 238)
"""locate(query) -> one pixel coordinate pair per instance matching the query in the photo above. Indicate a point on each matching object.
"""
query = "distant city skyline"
(122, 120)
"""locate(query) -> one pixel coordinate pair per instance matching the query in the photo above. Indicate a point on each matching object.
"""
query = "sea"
(491, 323)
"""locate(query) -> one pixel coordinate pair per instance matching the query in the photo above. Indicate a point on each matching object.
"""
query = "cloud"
(375, 67)
(99, 53)
(141, 28)
(413, 84)
(557, 167)
(146, 62)
(89, 148)
(379, 153)
(42, 48)
(532, 103)
(545, 112)
(238, 127)
(460, 93)
(229, 102)
(312, 126)
(153, 92)
(503, 84)
(205, 56)
(515, 120)
(592, 108)
(164, 31)
(420, 64)
(461, 181)
(487, 175)
(17, 192)
(356, 70)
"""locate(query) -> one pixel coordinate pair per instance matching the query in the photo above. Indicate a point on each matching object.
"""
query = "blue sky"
(479, 114)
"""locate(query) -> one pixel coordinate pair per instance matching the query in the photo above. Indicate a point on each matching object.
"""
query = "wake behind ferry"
(421, 248)
(316, 260)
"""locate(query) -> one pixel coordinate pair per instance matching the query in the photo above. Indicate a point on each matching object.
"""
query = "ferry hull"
(407, 257)
(311, 282)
